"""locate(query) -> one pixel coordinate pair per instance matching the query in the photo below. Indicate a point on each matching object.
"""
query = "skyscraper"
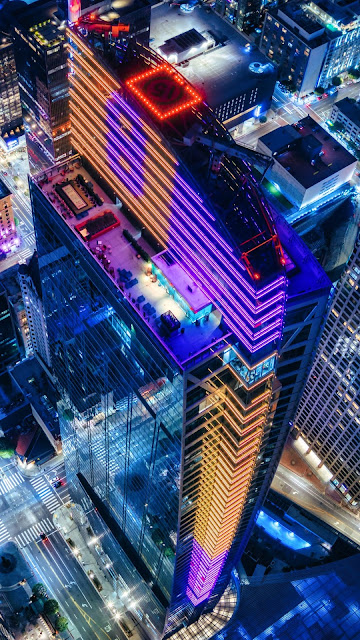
(41, 62)
(29, 279)
(329, 412)
(11, 124)
(164, 287)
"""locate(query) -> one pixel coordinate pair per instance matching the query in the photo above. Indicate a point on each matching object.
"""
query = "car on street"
(44, 537)
(57, 484)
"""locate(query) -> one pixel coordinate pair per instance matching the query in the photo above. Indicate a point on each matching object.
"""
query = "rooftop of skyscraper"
(157, 288)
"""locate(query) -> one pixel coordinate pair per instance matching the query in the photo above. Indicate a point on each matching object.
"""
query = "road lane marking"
(87, 617)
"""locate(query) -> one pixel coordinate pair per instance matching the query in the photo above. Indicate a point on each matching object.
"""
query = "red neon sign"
(163, 91)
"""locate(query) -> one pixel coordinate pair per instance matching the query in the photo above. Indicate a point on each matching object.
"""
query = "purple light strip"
(203, 573)
(214, 264)
(235, 273)
(249, 319)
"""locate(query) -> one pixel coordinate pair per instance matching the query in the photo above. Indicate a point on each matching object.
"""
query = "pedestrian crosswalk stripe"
(33, 533)
(4, 534)
(46, 494)
(9, 482)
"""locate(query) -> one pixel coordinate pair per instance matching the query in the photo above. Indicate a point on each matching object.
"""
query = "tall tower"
(329, 412)
(164, 287)
(11, 124)
(41, 62)
(30, 286)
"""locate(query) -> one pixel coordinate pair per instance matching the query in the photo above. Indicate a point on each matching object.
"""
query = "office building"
(11, 123)
(9, 346)
(30, 285)
(312, 42)
(233, 77)
(347, 113)
(5, 633)
(243, 14)
(165, 316)
(8, 238)
(308, 163)
(41, 62)
(328, 418)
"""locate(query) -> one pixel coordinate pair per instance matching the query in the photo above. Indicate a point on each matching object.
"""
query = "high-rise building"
(312, 42)
(41, 62)
(164, 285)
(11, 123)
(244, 14)
(30, 285)
(329, 412)
(9, 346)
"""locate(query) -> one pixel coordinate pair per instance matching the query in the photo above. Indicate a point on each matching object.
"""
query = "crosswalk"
(4, 534)
(46, 494)
(33, 533)
(30, 239)
(25, 253)
(9, 482)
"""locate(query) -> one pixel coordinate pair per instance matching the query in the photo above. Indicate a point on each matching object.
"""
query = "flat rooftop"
(335, 157)
(350, 109)
(279, 138)
(115, 255)
(221, 73)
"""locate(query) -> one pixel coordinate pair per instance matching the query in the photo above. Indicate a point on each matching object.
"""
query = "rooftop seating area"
(134, 266)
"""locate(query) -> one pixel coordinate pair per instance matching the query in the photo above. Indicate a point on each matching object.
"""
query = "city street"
(306, 495)
(285, 111)
(26, 507)
(22, 212)
(68, 583)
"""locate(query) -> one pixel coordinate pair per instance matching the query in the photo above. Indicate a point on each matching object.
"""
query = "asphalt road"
(68, 583)
(22, 211)
(306, 495)
(284, 111)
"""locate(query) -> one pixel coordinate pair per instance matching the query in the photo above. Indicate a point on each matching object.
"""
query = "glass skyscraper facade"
(164, 335)
(328, 417)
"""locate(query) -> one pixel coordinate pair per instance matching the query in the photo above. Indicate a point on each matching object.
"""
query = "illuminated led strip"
(243, 312)
(186, 236)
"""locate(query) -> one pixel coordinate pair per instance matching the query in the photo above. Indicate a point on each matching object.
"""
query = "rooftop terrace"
(152, 283)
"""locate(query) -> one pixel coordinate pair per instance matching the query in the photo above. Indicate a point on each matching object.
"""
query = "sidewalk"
(33, 470)
(73, 524)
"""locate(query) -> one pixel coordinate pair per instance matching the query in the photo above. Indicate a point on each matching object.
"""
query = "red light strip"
(194, 97)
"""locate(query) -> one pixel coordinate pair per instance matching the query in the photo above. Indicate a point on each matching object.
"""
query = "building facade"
(41, 62)
(308, 163)
(244, 14)
(11, 123)
(347, 113)
(163, 336)
(311, 43)
(30, 286)
(329, 412)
